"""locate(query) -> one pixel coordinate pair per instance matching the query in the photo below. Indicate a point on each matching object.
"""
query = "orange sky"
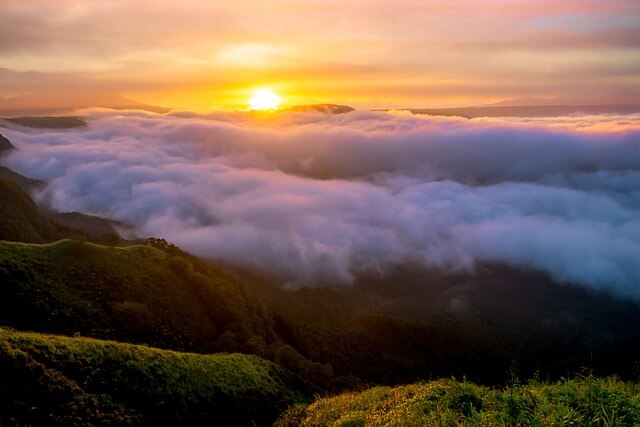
(205, 54)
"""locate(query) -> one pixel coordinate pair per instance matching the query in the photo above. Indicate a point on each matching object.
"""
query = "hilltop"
(320, 108)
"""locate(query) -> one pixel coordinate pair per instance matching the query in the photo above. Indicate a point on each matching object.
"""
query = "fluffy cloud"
(319, 198)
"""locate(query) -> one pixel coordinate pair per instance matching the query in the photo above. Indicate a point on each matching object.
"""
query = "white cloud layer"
(320, 198)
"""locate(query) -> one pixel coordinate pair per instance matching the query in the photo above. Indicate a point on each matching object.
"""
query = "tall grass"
(586, 401)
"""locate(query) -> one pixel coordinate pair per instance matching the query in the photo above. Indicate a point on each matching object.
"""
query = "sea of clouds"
(318, 198)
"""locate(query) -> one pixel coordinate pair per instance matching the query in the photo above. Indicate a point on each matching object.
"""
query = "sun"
(264, 99)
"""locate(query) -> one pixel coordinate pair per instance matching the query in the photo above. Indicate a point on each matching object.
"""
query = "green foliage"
(133, 293)
(111, 239)
(136, 315)
(585, 401)
(20, 219)
(153, 294)
(54, 380)
(517, 324)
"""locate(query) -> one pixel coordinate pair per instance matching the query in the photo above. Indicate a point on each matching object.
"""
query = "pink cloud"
(320, 199)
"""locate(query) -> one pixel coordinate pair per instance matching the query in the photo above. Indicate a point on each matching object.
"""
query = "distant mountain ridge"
(527, 110)
(320, 108)
(45, 122)
(29, 105)
(37, 94)
(529, 101)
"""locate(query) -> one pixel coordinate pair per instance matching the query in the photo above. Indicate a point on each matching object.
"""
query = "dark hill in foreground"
(54, 380)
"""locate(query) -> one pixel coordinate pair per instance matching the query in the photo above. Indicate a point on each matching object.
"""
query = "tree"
(111, 239)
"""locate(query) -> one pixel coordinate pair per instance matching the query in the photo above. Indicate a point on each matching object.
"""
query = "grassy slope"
(588, 401)
(20, 219)
(136, 294)
(48, 379)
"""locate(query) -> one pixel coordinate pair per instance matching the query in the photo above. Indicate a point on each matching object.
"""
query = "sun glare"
(264, 99)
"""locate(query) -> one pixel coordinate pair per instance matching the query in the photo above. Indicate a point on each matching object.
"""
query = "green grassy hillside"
(158, 295)
(54, 380)
(136, 294)
(152, 294)
(20, 219)
(584, 402)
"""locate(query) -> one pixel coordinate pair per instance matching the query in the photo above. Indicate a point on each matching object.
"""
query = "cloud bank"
(319, 199)
(378, 54)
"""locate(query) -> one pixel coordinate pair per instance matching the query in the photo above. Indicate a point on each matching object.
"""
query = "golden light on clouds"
(250, 54)
(203, 55)
(264, 99)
